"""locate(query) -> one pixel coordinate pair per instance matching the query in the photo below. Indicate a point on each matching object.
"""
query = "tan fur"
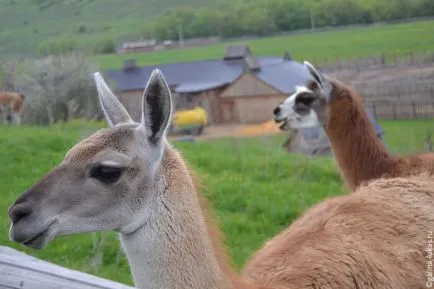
(359, 153)
(13, 100)
(373, 238)
(11, 106)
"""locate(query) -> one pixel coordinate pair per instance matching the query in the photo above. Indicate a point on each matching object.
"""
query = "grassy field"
(27, 23)
(343, 43)
(257, 189)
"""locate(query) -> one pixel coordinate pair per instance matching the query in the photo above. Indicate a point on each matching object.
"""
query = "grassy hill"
(339, 43)
(257, 189)
(27, 23)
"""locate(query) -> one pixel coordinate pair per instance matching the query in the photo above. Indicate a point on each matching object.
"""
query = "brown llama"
(359, 154)
(129, 179)
(12, 105)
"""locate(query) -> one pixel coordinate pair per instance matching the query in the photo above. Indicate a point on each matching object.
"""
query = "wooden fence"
(383, 60)
(21, 271)
(393, 86)
(401, 110)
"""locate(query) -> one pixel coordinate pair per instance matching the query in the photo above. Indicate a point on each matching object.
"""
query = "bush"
(58, 88)
(81, 29)
(57, 46)
(104, 46)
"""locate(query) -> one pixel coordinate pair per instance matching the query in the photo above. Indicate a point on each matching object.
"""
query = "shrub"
(58, 88)
(104, 46)
(57, 46)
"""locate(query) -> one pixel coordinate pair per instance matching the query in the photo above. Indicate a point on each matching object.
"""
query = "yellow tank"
(192, 117)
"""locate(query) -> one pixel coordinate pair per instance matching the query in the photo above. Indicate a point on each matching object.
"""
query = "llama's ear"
(156, 107)
(322, 81)
(114, 111)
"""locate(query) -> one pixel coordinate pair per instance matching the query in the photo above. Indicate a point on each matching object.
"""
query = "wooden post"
(374, 109)
(414, 110)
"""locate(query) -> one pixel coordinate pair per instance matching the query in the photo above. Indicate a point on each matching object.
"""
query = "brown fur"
(214, 233)
(373, 238)
(359, 153)
(12, 99)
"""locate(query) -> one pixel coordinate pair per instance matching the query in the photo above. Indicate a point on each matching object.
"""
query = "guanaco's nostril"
(276, 110)
(19, 212)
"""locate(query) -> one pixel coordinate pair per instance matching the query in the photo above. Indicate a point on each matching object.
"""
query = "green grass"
(27, 23)
(342, 43)
(257, 189)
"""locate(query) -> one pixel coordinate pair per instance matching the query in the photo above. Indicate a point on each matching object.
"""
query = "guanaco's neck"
(360, 155)
(174, 248)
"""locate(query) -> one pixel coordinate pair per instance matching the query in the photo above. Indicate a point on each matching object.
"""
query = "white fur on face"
(290, 118)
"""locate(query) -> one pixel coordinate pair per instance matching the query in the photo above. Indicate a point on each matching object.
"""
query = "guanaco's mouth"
(38, 241)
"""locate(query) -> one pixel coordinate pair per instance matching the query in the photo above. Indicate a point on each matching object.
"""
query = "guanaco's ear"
(156, 107)
(323, 84)
(114, 111)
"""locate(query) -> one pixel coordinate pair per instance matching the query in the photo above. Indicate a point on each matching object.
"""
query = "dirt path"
(236, 130)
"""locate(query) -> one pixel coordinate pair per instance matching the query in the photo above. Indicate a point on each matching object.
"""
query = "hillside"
(27, 23)
(320, 46)
(56, 26)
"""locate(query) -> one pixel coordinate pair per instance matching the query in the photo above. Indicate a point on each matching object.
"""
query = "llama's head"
(308, 106)
(106, 181)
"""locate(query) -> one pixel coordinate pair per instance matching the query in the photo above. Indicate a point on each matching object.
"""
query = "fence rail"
(21, 271)
(393, 86)
(400, 110)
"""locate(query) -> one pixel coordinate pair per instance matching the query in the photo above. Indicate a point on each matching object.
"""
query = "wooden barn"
(239, 88)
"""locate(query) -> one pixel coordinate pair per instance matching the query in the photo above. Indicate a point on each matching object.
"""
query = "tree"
(58, 88)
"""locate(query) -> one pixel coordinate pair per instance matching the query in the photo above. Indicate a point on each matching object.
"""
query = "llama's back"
(375, 237)
(415, 164)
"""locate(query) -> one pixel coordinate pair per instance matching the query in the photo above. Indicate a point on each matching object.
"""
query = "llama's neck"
(173, 249)
(360, 155)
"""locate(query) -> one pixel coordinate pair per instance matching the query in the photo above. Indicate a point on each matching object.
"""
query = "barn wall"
(247, 100)
(229, 111)
(256, 109)
(209, 100)
(248, 84)
(132, 101)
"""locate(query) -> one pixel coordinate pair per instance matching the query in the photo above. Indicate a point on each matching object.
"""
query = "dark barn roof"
(196, 76)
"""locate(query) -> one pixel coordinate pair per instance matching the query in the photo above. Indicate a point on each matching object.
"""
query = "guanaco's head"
(308, 106)
(106, 180)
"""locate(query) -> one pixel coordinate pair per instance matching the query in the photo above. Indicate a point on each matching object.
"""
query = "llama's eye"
(106, 174)
(303, 104)
(305, 99)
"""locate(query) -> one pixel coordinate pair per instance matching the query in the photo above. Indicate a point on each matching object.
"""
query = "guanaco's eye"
(106, 174)
(303, 103)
